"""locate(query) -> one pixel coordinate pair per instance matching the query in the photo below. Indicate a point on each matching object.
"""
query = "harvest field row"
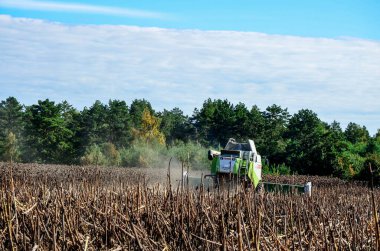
(47, 207)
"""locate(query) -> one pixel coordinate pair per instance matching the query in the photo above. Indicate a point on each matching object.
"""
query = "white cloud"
(81, 8)
(337, 78)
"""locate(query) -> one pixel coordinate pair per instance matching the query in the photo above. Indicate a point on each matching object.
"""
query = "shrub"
(143, 154)
(11, 151)
(348, 165)
(111, 154)
(191, 153)
(276, 169)
(93, 156)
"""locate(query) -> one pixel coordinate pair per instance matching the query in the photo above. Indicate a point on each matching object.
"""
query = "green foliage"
(275, 125)
(280, 169)
(190, 153)
(136, 111)
(265, 169)
(142, 154)
(11, 152)
(175, 126)
(215, 121)
(11, 117)
(118, 134)
(374, 161)
(241, 122)
(119, 123)
(111, 154)
(94, 156)
(349, 165)
(306, 149)
(373, 146)
(48, 137)
(218, 120)
(11, 121)
(105, 123)
(71, 118)
(356, 133)
(255, 128)
(104, 155)
(94, 124)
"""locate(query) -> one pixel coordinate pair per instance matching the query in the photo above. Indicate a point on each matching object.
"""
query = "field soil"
(55, 207)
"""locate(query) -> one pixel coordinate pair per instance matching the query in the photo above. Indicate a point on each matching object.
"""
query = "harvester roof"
(232, 145)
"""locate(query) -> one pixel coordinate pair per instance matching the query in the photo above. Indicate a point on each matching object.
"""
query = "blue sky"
(323, 55)
(322, 18)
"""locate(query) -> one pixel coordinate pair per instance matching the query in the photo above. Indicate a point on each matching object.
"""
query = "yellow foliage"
(351, 171)
(150, 128)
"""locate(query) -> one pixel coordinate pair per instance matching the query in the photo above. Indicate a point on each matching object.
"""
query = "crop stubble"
(48, 207)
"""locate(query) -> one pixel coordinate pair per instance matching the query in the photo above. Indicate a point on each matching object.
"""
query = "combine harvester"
(240, 163)
(236, 162)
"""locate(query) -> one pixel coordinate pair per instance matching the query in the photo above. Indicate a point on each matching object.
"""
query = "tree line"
(120, 134)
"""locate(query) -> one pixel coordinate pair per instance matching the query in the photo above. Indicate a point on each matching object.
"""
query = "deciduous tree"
(150, 128)
(136, 111)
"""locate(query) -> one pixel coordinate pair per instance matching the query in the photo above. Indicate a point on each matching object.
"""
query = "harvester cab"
(237, 161)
